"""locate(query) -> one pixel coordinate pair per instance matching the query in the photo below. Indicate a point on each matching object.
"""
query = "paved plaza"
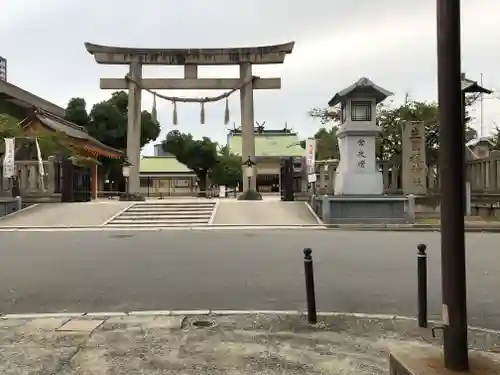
(49, 215)
(100, 213)
(232, 344)
(265, 212)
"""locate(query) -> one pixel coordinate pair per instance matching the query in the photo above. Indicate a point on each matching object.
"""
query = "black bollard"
(422, 285)
(309, 275)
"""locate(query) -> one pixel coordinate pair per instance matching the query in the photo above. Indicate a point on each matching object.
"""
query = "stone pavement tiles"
(266, 212)
(234, 344)
(65, 214)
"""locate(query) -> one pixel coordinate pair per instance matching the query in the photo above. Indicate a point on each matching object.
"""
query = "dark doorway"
(287, 180)
(74, 182)
(267, 183)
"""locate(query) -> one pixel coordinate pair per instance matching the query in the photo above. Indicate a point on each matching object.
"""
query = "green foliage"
(228, 169)
(390, 119)
(200, 155)
(9, 127)
(76, 112)
(495, 138)
(325, 115)
(327, 145)
(50, 143)
(107, 122)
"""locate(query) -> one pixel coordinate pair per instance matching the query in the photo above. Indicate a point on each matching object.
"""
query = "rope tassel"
(226, 113)
(202, 113)
(174, 115)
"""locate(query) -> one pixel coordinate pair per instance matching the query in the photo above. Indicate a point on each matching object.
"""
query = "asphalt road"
(121, 271)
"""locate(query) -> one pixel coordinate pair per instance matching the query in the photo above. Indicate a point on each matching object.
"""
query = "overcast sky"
(393, 42)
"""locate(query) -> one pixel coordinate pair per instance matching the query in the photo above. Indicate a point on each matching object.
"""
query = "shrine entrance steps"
(159, 214)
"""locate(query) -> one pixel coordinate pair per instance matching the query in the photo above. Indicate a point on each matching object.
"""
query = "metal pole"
(464, 147)
(311, 298)
(451, 167)
(422, 285)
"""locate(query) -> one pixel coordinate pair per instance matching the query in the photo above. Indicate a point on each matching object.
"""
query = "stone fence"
(30, 183)
(483, 175)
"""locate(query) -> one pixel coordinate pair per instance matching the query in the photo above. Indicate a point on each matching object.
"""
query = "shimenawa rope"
(202, 101)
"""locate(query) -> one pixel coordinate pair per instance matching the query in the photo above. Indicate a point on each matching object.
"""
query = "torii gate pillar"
(247, 125)
(191, 58)
(134, 127)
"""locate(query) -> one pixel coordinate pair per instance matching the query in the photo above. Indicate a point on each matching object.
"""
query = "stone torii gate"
(190, 59)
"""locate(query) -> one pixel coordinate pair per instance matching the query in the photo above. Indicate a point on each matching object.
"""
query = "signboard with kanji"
(3, 69)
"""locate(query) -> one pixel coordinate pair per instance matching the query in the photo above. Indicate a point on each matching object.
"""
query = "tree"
(51, 143)
(9, 127)
(327, 146)
(391, 119)
(107, 122)
(76, 112)
(228, 169)
(200, 155)
(495, 138)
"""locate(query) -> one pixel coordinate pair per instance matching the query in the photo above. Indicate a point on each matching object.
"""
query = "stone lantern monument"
(359, 189)
(357, 172)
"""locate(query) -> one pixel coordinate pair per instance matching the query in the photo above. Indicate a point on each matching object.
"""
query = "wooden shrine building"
(73, 137)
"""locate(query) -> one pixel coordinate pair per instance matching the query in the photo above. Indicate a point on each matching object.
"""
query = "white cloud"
(391, 41)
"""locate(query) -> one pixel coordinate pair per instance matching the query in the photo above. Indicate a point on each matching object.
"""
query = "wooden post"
(94, 180)
(51, 174)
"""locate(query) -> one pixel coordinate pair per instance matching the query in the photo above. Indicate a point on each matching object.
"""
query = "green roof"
(270, 145)
(162, 164)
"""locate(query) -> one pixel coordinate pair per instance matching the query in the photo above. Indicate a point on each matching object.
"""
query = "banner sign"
(311, 159)
(8, 160)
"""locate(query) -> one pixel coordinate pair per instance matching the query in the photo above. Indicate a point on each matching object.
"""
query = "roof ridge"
(44, 113)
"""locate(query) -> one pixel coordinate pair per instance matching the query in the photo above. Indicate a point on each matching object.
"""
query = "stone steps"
(171, 209)
(165, 214)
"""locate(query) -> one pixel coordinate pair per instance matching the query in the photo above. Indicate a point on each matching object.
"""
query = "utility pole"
(451, 169)
(481, 103)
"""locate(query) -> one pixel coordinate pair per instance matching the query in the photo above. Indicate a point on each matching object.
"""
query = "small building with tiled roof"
(73, 137)
(165, 176)
(37, 115)
(272, 146)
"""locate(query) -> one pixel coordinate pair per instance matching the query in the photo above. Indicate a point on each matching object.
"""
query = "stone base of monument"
(367, 209)
(250, 195)
(428, 360)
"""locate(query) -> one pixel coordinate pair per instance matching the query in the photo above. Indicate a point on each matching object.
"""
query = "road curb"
(338, 227)
(407, 228)
(9, 215)
(223, 312)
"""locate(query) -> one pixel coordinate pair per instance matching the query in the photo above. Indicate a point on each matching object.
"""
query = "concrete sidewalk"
(52, 215)
(140, 343)
(265, 212)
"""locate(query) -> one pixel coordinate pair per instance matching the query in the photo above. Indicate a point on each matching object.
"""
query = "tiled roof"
(58, 124)
(285, 145)
(26, 99)
(162, 164)
(364, 85)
